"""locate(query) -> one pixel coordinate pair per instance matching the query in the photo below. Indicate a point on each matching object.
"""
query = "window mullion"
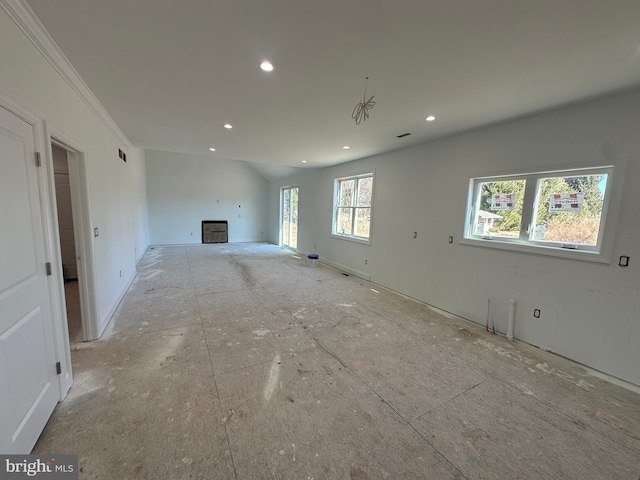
(354, 202)
(353, 221)
(527, 223)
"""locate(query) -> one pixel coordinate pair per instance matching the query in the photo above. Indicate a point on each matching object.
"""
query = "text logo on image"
(51, 467)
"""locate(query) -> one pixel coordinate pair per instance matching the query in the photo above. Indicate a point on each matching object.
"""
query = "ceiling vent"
(404, 135)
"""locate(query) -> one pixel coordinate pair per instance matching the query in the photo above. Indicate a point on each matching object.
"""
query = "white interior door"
(29, 389)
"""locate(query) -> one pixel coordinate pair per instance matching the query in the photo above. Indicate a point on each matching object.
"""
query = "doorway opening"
(68, 252)
(290, 217)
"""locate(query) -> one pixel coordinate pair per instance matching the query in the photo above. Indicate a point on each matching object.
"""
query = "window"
(352, 207)
(289, 216)
(562, 211)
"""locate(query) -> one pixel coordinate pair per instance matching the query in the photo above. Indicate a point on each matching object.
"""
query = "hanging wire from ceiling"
(361, 111)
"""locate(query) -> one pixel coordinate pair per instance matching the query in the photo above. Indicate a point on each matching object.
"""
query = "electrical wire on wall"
(361, 111)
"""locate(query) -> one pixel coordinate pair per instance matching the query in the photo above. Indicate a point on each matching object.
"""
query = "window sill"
(361, 241)
(581, 255)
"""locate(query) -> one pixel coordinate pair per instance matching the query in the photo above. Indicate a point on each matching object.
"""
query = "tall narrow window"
(352, 207)
(290, 217)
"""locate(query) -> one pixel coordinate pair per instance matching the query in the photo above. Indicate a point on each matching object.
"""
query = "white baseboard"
(109, 316)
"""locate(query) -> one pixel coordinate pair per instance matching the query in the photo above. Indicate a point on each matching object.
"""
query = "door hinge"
(38, 161)
(58, 368)
(48, 265)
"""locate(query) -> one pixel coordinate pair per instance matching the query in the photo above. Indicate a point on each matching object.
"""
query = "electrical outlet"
(120, 273)
(624, 261)
(450, 239)
(96, 233)
(536, 313)
(365, 261)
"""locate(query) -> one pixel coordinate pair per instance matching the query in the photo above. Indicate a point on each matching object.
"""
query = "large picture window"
(562, 210)
(353, 198)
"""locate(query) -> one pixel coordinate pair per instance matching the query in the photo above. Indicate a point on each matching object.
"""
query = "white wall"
(139, 209)
(185, 189)
(116, 189)
(590, 311)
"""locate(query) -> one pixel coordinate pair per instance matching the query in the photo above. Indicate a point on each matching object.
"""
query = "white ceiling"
(172, 73)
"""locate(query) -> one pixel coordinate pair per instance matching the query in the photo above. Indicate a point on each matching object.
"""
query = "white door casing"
(29, 389)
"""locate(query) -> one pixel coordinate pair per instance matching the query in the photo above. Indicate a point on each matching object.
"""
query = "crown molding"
(22, 15)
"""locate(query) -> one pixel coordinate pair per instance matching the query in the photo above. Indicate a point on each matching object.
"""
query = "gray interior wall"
(590, 311)
(183, 190)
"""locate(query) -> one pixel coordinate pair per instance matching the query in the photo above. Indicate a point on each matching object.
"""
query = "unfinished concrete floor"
(239, 361)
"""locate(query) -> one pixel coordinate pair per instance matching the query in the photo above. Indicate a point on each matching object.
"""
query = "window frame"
(336, 208)
(525, 241)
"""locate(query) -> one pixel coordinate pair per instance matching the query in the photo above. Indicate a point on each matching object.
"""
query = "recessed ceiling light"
(228, 125)
(212, 149)
(430, 118)
(266, 66)
(346, 147)
(304, 161)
